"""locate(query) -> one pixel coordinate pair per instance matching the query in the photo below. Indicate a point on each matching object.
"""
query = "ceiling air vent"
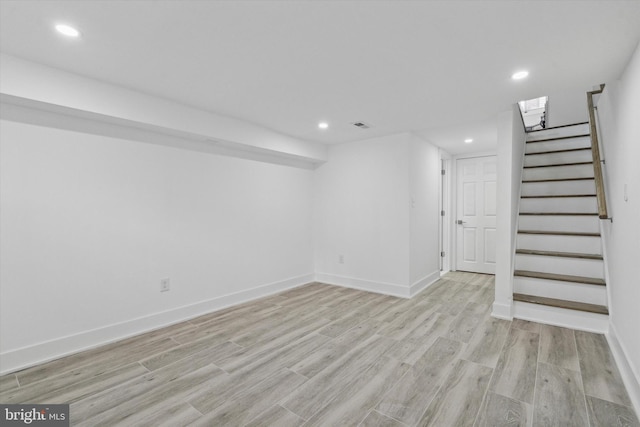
(361, 125)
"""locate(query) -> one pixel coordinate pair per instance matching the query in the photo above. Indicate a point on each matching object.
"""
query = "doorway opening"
(534, 113)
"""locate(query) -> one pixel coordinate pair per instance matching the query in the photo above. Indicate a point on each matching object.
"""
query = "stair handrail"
(595, 151)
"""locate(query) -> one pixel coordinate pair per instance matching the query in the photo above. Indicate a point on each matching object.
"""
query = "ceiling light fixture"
(468, 141)
(67, 30)
(323, 125)
(520, 75)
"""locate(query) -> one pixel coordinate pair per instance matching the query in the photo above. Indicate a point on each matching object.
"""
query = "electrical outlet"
(340, 259)
(165, 285)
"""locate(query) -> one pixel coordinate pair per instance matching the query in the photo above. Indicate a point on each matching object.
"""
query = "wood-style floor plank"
(486, 343)
(558, 347)
(289, 334)
(276, 416)
(340, 326)
(609, 414)
(64, 388)
(467, 322)
(460, 397)
(376, 419)
(411, 348)
(559, 398)
(525, 325)
(254, 372)
(404, 325)
(98, 360)
(407, 401)
(252, 401)
(600, 374)
(168, 393)
(180, 352)
(166, 414)
(515, 374)
(501, 411)
(67, 378)
(8, 382)
(350, 404)
(315, 362)
(324, 355)
(105, 400)
(321, 389)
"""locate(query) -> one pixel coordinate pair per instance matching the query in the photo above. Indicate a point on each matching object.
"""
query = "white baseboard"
(573, 319)
(630, 377)
(365, 285)
(25, 357)
(424, 283)
(502, 311)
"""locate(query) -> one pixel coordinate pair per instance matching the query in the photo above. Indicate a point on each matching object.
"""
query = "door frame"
(454, 201)
(444, 205)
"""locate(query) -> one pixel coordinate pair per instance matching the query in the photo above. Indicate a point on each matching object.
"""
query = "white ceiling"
(439, 68)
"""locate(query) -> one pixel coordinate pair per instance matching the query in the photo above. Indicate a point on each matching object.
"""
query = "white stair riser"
(558, 187)
(561, 265)
(561, 290)
(573, 319)
(557, 158)
(557, 172)
(559, 144)
(559, 132)
(574, 224)
(546, 242)
(560, 204)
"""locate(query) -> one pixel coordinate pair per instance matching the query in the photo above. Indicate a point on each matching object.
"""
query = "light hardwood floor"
(324, 355)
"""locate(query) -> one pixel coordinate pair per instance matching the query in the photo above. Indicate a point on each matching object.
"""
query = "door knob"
(460, 222)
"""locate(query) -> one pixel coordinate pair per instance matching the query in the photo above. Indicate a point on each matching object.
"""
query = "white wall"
(561, 108)
(90, 225)
(363, 212)
(424, 191)
(511, 144)
(619, 113)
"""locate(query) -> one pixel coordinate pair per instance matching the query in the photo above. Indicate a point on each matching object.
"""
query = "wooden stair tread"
(559, 233)
(560, 126)
(561, 213)
(546, 196)
(553, 302)
(558, 254)
(553, 165)
(560, 277)
(558, 151)
(559, 138)
(558, 179)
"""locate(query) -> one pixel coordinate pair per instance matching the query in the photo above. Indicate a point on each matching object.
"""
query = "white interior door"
(476, 214)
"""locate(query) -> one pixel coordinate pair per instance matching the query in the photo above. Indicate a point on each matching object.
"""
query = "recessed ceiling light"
(323, 125)
(67, 30)
(468, 141)
(520, 75)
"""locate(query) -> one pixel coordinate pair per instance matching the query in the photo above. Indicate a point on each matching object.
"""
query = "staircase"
(559, 267)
